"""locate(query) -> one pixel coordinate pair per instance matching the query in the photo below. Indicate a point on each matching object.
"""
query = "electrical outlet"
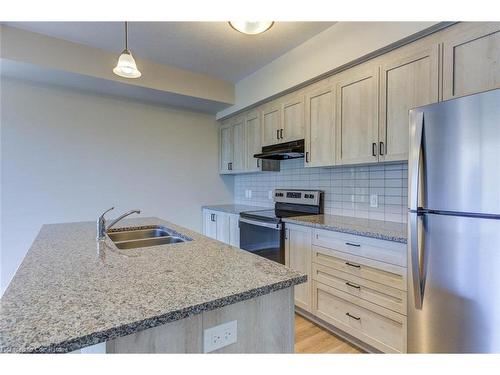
(270, 194)
(220, 336)
(374, 200)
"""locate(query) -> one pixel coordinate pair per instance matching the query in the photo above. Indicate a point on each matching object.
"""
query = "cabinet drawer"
(372, 270)
(383, 329)
(382, 295)
(381, 250)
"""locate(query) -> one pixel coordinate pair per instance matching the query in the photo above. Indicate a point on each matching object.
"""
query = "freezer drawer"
(456, 261)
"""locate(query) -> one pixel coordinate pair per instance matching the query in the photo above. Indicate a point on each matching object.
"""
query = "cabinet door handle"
(352, 285)
(352, 265)
(353, 244)
(277, 134)
(230, 166)
(281, 133)
(212, 217)
(258, 163)
(307, 156)
(352, 316)
(381, 149)
(374, 149)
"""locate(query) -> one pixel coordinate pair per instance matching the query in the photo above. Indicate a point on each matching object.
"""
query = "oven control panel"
(309, 197)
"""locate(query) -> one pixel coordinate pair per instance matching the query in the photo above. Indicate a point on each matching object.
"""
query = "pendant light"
(251, 27)
(126, 66)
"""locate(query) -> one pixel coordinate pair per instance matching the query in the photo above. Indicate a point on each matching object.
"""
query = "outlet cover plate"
(374, 200)
(220, 336)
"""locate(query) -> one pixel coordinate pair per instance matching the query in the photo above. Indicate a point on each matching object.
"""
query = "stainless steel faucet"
(101, 222)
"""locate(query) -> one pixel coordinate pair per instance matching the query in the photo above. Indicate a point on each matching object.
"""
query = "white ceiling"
(212, 48)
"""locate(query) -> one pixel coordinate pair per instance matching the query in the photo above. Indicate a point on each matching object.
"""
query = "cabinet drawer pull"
(353, 265)
(374, 149)
(353, 244)
(352, 316)
(352, 285)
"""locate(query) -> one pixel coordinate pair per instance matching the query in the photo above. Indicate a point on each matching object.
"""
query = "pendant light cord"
(126, 35)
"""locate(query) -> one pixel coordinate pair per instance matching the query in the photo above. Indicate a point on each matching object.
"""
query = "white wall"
(68, 155)
(338, 45)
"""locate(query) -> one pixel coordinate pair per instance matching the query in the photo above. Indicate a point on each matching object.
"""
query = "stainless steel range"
(263, 232)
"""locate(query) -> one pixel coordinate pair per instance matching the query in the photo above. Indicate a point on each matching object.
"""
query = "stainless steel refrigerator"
(454, 226)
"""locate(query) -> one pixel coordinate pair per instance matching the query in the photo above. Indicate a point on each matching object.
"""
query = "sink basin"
(148, 242)
(138, 234)
(143, 237)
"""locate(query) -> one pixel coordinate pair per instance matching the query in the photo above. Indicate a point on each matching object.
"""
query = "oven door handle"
(275, 226)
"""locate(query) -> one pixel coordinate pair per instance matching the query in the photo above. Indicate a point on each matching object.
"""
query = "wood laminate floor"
(310, 338)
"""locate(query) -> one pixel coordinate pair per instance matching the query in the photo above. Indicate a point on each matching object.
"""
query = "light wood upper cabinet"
(471, 59)
(320, 126)
(239, 145)
(226, 148)
(357, 115)
(253, 140)
(271, 123)
(298, 257)
(293, 119)
(409, 78)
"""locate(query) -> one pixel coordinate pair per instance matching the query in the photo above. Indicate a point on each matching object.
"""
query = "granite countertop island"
(383, 230)
(70, 293)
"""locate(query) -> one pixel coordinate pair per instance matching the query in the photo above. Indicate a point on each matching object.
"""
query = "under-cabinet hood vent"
(282, 151)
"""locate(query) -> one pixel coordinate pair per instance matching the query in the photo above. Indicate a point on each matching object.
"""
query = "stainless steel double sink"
(143, 237)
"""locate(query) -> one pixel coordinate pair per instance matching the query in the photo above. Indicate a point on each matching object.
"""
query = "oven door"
(263, 238)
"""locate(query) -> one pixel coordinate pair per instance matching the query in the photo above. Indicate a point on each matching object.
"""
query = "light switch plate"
(373, 200)
(270, 194)
(220, 336)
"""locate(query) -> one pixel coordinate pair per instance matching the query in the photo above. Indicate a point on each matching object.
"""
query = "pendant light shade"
(126, 66)
(251, 27)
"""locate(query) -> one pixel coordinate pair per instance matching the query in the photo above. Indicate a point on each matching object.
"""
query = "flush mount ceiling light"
(251, 27)
(126, 66)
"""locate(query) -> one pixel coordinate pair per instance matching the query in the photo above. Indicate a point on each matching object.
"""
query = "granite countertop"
(235, 208)
(69, 292)
(383, 230)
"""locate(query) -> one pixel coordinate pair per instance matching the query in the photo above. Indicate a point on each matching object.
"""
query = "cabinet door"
(471, 60)
(298, 257)
(234, 230)
(209, 224)
(271, 124)
(253, 140)
(222, 222)
(320, 127)
(293, 119)
(239, 146)
(409, 78)
(226, 149)
(357, 116)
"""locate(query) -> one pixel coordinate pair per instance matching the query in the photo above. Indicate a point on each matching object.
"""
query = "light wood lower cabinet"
(357, 284)
(298, 257)
(221, 226)
(379, 327)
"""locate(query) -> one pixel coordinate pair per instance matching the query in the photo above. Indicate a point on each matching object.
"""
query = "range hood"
(282, 151)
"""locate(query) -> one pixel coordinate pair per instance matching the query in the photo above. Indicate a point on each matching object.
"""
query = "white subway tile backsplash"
(347, 190)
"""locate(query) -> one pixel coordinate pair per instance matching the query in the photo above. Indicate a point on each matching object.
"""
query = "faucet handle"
(105, 212)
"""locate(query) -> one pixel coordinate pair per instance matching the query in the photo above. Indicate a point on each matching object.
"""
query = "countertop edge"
(370, 234)
(134, 327)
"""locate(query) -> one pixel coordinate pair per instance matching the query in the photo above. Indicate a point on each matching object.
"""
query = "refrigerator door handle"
(416, 130)
(415, 261)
